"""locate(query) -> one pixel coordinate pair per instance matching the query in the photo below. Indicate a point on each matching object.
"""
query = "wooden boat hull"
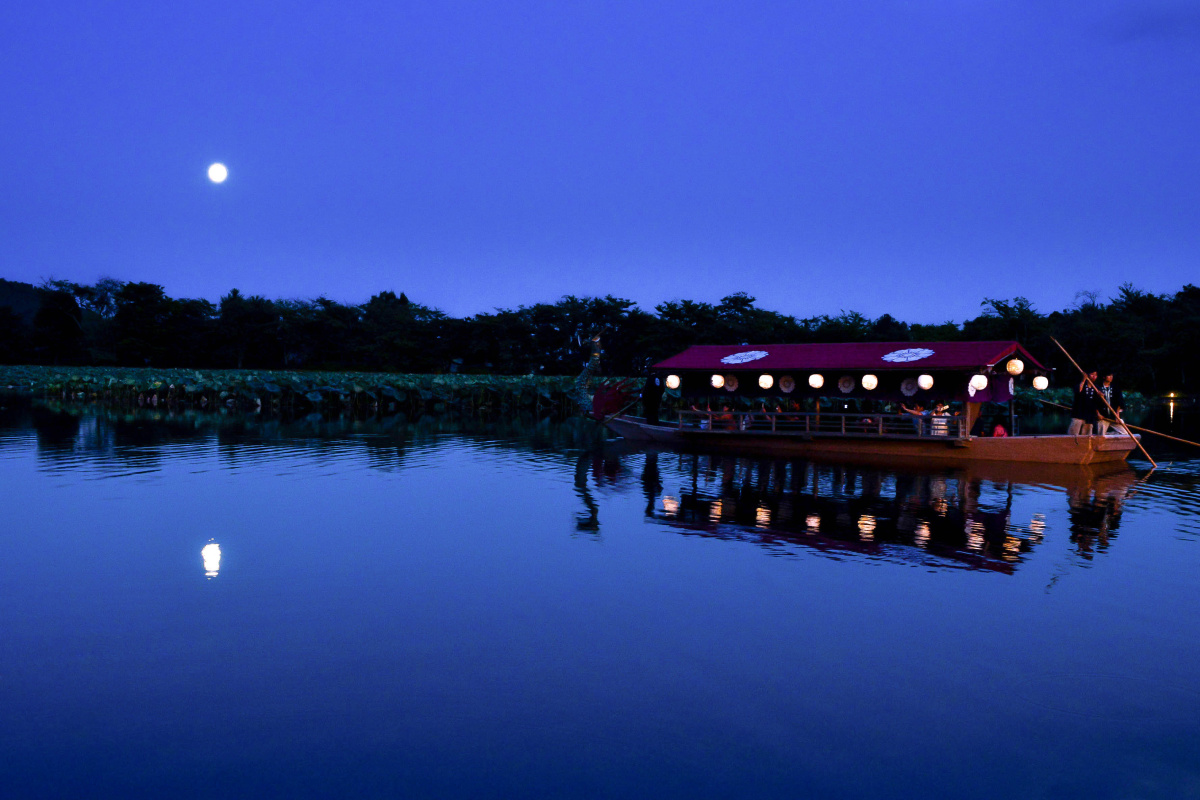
(1049, 449)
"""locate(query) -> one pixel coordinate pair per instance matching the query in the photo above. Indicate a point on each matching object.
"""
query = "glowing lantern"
(1016, 366)
(672, 381)
(979, 382)
(816, 381)
(1041, 382)
(869, 382)
(765, 381)
(925, 382)
(718, 381)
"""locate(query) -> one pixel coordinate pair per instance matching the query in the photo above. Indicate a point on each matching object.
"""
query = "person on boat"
(652, 393)
(724, 420)
(918, 410)
(982, 427)
(1115, 399)
(939, 423)
(1084, 412)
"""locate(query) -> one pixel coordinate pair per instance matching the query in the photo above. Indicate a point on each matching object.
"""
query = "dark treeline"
(1148, 339)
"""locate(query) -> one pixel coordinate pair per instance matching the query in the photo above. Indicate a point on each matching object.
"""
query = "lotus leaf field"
(303, 392)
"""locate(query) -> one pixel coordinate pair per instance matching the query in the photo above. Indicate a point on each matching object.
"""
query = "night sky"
(901, 157)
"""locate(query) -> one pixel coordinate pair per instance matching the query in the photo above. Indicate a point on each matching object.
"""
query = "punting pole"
(628, 406)
(1134, 427)
(1100, 394)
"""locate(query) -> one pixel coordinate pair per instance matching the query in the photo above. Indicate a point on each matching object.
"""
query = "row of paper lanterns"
(869, 381)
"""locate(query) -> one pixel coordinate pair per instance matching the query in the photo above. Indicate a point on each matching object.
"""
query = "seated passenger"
(982, 427)
(939, 420)
(724, 420)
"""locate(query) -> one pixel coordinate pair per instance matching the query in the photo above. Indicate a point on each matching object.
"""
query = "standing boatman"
(1115, 399)
(652, 393)
(1084, 411)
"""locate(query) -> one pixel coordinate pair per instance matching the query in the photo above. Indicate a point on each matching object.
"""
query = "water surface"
(483, 610)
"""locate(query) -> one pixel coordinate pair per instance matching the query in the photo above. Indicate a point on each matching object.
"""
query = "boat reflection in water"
(960, 518)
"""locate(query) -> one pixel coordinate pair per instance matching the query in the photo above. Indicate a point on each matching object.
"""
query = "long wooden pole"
(1127, 425)
(628, 406)
(1107, 405)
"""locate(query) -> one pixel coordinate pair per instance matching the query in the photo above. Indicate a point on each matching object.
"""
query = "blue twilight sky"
(901, 157)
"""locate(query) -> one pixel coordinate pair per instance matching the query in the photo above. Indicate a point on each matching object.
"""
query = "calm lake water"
(511, 611)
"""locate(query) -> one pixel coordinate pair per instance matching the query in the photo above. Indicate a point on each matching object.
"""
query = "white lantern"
(869, 382)
(816, 381)
(979, 382)
(1016, 366)
(718, 381)
(1041, 382)
(925, 382)
(672, 381)
(765, 381)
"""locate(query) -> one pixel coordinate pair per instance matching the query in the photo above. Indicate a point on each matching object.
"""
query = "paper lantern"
(979, 382)
(765, 381)
(1016, 366)
(1041, 382)
(672, 381)
(718, 381)
(869, 382)
(787, 384)
(731, 383)
(925, 382)
(816, 381)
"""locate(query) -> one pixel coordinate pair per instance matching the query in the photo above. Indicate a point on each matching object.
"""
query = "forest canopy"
(1148, 339)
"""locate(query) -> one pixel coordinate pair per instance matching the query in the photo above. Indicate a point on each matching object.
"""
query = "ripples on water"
(943, 518)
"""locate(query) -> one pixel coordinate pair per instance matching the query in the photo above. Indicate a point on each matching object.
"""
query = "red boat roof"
(866, 356)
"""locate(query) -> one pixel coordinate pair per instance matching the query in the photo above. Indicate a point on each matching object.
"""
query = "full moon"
(217, 173)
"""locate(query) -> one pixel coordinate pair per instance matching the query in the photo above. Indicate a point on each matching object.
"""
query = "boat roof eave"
(963, 357)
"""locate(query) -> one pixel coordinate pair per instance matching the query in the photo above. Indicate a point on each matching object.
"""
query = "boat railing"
(861, 424)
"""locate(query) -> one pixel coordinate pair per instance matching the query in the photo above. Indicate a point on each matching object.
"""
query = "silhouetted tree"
(58, 327)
